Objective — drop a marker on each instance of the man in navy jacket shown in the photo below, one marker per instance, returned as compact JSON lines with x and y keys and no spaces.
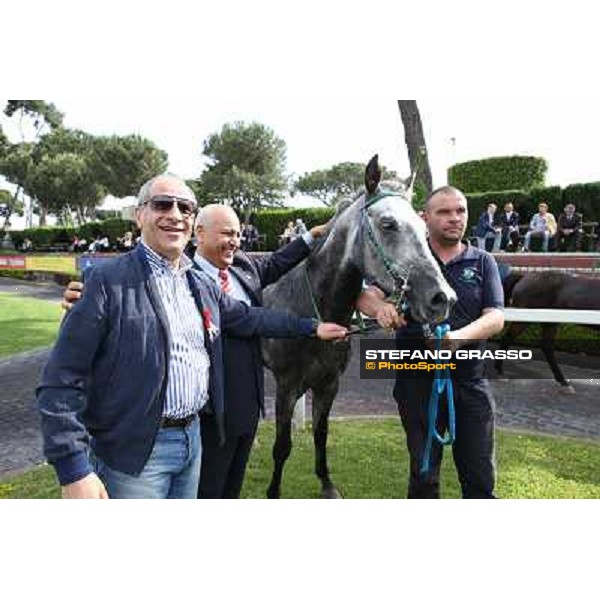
{"x":218,"y":235}
{"x":114,"y":394}
{"x":488,"y":227}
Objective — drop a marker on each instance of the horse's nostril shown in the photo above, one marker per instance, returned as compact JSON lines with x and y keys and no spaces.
{"x":440,"y":299}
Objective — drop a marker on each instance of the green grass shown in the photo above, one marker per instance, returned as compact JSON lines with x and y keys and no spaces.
{"x":368,"y":459}
{"x":27,"y":323}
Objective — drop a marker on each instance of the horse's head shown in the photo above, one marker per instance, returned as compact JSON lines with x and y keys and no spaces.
{"x":387,"y":242}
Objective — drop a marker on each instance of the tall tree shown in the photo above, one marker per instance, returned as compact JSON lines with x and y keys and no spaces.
{"x":344,"y":180}
{"x":15,"y":159}
{"x":415,"y":142}
{"x":247,"y":167}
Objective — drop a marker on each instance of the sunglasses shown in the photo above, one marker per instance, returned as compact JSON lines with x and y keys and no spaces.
{"x":164,"y":204}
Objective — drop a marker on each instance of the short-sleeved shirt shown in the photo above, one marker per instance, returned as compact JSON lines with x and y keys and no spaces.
{"x":475,"y":278}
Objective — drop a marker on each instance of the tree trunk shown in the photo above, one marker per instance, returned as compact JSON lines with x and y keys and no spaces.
{"x":415,"y":140}
{"x":43,"y":213}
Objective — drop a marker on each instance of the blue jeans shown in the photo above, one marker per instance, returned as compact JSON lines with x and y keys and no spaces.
{"x":172,"y":471}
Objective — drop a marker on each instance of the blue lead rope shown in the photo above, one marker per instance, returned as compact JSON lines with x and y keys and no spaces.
{"x":441,"y":382}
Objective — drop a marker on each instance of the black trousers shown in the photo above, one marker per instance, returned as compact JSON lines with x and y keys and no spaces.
{"x":223,"y":467}
{"x":473,"y":449}
{"x":570,"y":242}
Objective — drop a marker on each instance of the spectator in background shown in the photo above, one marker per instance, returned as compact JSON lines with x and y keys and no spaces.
{"x":27,"y":245}
{"x":570,"y":230}
{"x":103,"y":244}
{"x":543,"y":224}
{"x":488,"y":227}
{"x":126,"y":242}
{"x":249,"y":240}
{"x":299,"y":228}
{"x":287,"y":235}
{"x":509,"y":223}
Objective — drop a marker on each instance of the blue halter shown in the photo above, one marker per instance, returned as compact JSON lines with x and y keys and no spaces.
{"x":441,"y":382}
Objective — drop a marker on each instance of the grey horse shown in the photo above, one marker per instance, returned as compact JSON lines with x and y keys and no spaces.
{"x":380,"y":239}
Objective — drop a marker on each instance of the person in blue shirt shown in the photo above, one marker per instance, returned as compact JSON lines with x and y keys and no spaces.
{"x":140,"y":355}
{"x":477,"y":315}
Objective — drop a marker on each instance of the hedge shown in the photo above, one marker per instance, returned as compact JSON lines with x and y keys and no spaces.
{"x":272,"y":222}
{"x":586,"y":197}
{"x":499,"y":173}
{"x":47,"y":236}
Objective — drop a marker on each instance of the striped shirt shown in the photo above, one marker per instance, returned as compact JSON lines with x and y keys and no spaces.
{"x":188,"y":369}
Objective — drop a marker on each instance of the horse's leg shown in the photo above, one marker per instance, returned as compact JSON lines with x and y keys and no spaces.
{"x":322,"y":399}
{"x":284,"y":410}
{"x":513,"y":331}
{"x":548,"y":334}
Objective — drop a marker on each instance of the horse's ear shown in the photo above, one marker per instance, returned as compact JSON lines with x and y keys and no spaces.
{"x":372,"y":175}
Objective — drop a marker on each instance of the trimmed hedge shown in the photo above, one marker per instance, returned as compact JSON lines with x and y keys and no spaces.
{"x":47,"y":236}
{"x":586,"y":197}
{"x":272,"y":222}
{"x":499,"y":173}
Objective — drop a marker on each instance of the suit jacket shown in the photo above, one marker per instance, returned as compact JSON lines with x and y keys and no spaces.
{"x":575,"y":222}
{"x":483,"y":225}
{"x":243,"y":365}
{"x":505,"y":222}
{"x":106,"y":375}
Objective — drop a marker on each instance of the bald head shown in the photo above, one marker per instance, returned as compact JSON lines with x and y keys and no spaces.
{"x":214,"y":213}
{"x":218,"y":234}
{"x":446,"y":190}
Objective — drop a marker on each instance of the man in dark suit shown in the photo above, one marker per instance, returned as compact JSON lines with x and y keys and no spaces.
{"x":244,"y":277}
{"x":570,"y":230}
{"x":509,"y":223}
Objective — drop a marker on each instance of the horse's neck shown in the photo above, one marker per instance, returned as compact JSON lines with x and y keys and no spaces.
{"x":335,"y":283}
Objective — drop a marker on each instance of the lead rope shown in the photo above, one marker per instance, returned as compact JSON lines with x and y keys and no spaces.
{"x":441,"y":383}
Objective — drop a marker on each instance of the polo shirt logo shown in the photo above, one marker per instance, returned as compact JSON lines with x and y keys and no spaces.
{"x":469,"y":276}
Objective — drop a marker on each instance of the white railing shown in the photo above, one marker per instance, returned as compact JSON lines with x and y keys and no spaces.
{"x":552,"y":315}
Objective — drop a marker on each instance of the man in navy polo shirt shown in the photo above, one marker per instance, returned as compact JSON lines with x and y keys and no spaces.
{"x":473,"y":274}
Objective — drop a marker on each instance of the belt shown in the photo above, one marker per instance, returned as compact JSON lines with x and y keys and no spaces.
{"x":182,"y":422}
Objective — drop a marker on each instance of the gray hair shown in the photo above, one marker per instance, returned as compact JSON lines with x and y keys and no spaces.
{"x":144,"y":193}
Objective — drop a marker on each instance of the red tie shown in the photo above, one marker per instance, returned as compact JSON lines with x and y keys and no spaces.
{"x":225,"y":281}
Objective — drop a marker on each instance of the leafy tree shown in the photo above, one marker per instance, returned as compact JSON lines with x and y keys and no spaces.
{"x":42,"y":114}
{"x":121,"y":164}
{"x":247,"y":167}
{"x":16,"y":161}
{"x":344,"y":180}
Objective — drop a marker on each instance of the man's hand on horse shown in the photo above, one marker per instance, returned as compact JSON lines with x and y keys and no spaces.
{"x":320,"y":230}
{"x":388,"y":317}
{"x":72,"y":294}
{"x":331,"y":331}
